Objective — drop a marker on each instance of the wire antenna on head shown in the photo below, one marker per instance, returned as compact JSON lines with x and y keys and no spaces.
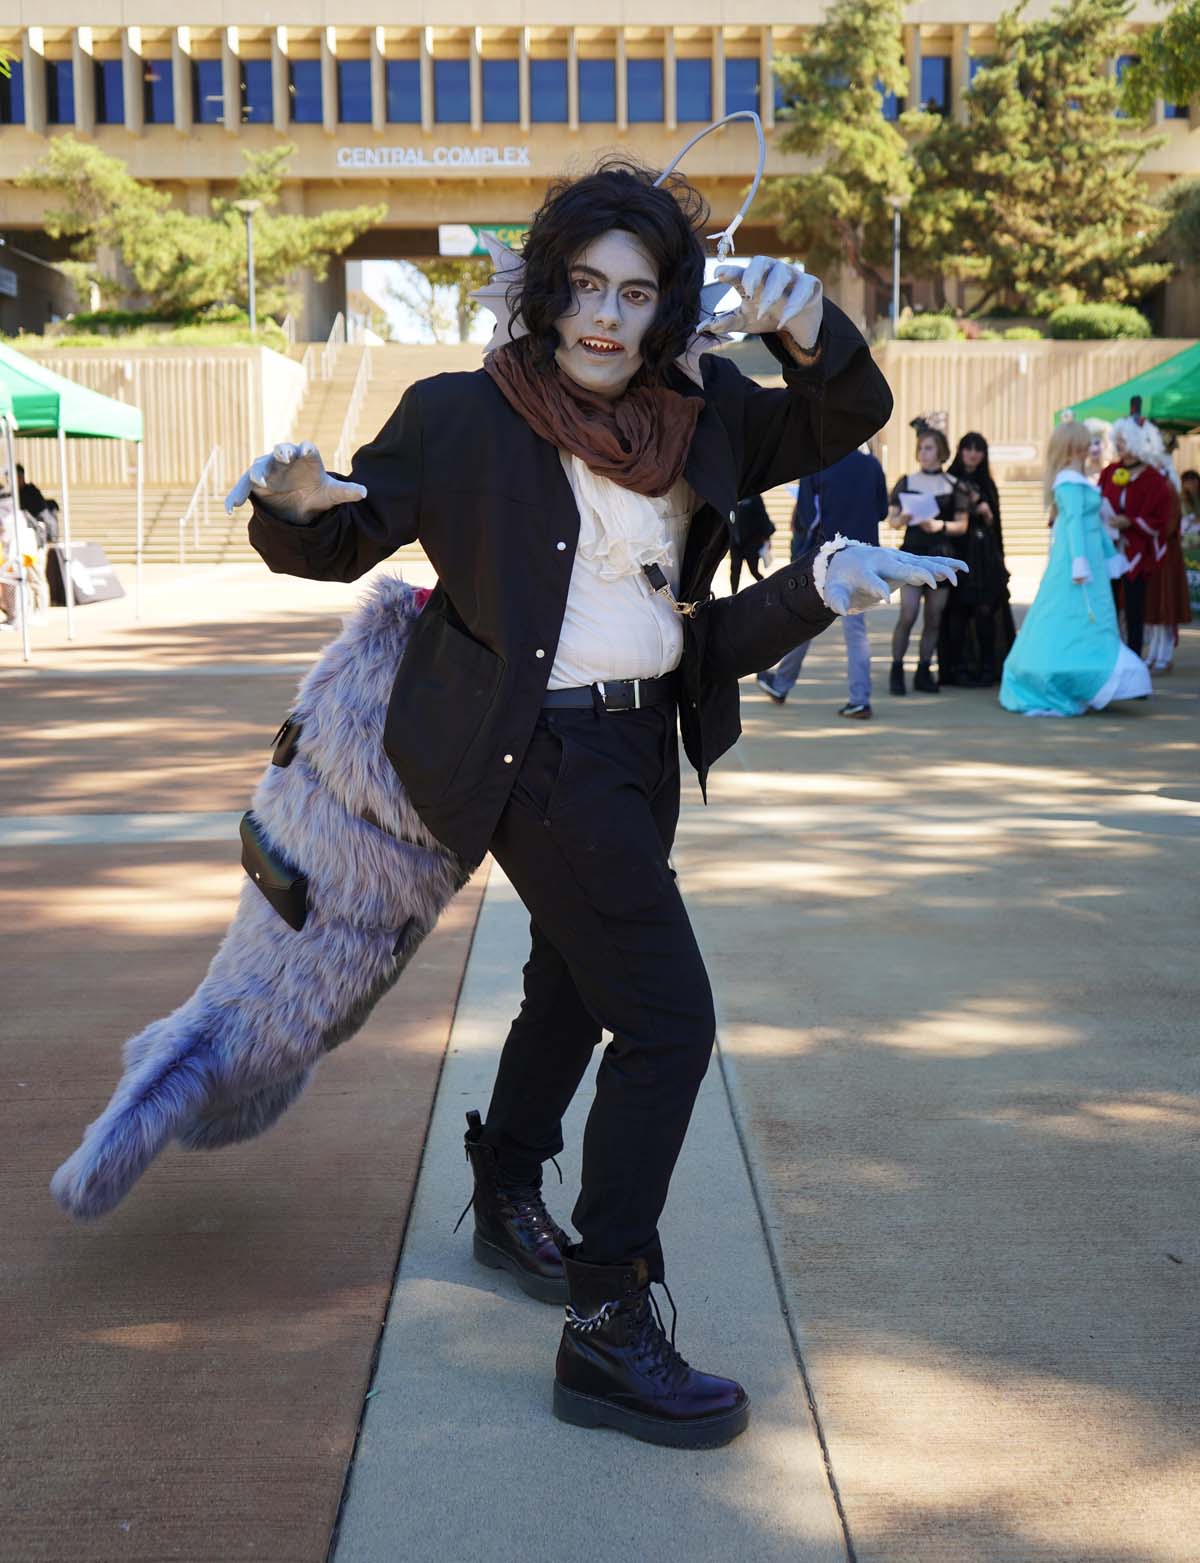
{"x":724,"y":239}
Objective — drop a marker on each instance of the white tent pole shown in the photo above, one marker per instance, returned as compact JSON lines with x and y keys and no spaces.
{"x":141,"y":521}
{"x":68,"y":583}
{"x":22,"y":583}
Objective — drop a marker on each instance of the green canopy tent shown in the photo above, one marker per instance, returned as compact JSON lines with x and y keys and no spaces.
{"x":37,"y":403}
{"x":1170,"y":395}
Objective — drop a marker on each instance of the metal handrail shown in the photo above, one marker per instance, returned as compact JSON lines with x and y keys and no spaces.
{"x":358,"y":395}
{"x":335,"y":339}
{"x":199,"y":493}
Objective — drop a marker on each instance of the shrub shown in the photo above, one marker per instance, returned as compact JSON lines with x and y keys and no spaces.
{"x":987,"y":335}
{"x":1022,"y":334}
{"x":1082,"y":322}
{"x":929,"y":328}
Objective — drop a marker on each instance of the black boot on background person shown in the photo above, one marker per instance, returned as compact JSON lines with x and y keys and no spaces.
{"x":924,"y":680}
{"x":617,"y":1368}
{"x":513,"y":1229}
{"x":896,"y":679}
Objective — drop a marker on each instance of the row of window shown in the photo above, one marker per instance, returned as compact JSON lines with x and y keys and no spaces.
{"x":402,"y":86}
{"x":451,"y":91}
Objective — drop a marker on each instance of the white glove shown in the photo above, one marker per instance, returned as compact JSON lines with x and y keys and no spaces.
{"x":857,"y":577}
{"x":1081,"y":570}
{"x":292,"y":483}
{"x":775,"y":297}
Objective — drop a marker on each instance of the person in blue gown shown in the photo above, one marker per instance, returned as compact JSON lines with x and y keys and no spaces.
{"x":1068,"y":657}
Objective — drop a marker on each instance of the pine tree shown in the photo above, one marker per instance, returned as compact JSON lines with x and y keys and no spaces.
{"x":173,"y":261}
{"x":840,"y":213}
{"x":1038,"y":196}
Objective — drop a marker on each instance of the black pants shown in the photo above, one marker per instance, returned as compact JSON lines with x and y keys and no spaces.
{"x":1134,"y":593}
{"x":584,"y":840}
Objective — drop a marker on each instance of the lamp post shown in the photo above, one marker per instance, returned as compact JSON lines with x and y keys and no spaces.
{"x":896,"y":202}
{"x":248,"y":209}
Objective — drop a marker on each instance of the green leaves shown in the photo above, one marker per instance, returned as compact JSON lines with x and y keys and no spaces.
{"x":181,"y":263}
{"x":1168,"y":63}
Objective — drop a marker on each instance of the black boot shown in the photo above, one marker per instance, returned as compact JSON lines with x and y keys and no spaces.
{"x":896,"y":679}
{"x":616,"y":1367}
{"x":513,"y":1229}
{"x":924,"y":680}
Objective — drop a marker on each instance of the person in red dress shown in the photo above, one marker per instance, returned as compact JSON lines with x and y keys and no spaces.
{"x":1137,"y":491}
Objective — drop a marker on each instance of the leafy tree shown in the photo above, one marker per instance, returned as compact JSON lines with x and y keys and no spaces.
{"x":438,"y":293}
{"x":1167,"y":64}
{"x":839,"y":212}
{"x":1180,"y":240}
{"x":1038,"y":196}
{"x":178,"y":262}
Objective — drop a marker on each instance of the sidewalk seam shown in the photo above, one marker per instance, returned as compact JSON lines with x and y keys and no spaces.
{"x":728,"y":1074}
{"x":408,"y":1215}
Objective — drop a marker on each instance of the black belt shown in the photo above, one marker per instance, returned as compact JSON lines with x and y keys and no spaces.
{"x":616,"y":694}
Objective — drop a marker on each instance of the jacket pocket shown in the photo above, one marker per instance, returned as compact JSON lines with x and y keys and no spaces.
{"x":440,"y":707}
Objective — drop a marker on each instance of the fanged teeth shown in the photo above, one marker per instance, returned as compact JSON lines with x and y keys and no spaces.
{"x":603,"y":347}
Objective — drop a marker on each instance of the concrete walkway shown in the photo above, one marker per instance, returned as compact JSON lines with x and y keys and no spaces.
{"x":954,"y":955}
{"x":459,"y":1455}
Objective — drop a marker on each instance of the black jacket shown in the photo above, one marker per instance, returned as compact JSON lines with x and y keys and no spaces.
{"x":458,"y":468}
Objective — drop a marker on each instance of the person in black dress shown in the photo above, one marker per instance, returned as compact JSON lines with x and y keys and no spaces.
{"x":977,"y":628}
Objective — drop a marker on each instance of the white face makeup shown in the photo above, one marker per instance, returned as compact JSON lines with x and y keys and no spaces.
{"x":615,"y":284}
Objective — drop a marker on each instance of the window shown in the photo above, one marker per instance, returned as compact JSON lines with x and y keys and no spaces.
{"x":1124,"y":61}
{"x":158,"y":92}
{"x":12,"y":95}
{"x":548,"y":91}
{"x":977,"y":63}
{"x":110,"y":92}
{"x":304,"y":86}
{"x":741,"y":85}
{"x":598,"y":92}
{"x":354,"y":92}
{"x":1176,"y":111}
{"x":935,"y":83}
{"x":501,"y":93}
{"x":403,"y":79}
{"x":60,"y":92}
{"x":693,"y":90}
{"x":889,"y":103}
{"x":257,"y":108}
{"x":645,"y":81}
{"x":207,"y":101}
{"x":452,"y":92}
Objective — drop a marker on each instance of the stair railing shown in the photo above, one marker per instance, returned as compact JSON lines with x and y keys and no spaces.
{"x":358,"y":395}
{"x":335,"y":339}
{"x":206,"y":488}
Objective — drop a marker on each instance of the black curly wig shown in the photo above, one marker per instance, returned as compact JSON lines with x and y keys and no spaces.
{"x":666,"y":220}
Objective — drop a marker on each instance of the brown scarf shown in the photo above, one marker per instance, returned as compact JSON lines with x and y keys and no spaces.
{"x":640,"y":441}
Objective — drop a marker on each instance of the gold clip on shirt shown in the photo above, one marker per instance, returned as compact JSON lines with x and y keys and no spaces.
{"x":661,"y":587}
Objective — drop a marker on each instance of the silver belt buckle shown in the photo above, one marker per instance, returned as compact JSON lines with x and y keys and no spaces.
{"x":637,"y":694}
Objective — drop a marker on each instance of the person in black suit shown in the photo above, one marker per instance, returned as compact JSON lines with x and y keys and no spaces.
{"x":575,"y":496}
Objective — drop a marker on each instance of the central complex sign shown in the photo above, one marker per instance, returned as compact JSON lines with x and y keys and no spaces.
{"x":433,"y":157}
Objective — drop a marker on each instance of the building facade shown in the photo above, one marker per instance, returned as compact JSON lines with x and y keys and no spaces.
{"x":450,"y":113}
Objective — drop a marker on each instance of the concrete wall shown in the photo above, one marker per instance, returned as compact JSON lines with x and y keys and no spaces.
{"x":241,"y":398}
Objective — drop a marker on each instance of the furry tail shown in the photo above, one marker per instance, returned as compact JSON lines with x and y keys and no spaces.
{"x":151,"y":1102}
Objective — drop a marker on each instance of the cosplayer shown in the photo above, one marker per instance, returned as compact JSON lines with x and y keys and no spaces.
{"x":574,"y":497}
{"x":1068,"y":656}
{"x":1138,"y":492}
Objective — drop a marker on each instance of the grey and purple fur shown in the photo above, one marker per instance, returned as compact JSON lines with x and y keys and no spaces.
{"x":229,"y":1061}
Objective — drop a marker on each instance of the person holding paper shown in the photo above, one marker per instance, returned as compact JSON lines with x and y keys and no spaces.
{"x":932,"y":507}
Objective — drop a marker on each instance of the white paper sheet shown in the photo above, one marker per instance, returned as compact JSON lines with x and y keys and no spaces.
{"x":921,"y":507}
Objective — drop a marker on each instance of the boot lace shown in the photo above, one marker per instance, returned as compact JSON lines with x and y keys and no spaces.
{"x":527,"y":1206}
{"x":659,"y":1358}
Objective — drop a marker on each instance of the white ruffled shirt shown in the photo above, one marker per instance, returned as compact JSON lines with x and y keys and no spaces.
{"x":614,"y":625}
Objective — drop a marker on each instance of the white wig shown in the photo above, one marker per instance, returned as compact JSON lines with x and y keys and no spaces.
{"x":1142,"y":441}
